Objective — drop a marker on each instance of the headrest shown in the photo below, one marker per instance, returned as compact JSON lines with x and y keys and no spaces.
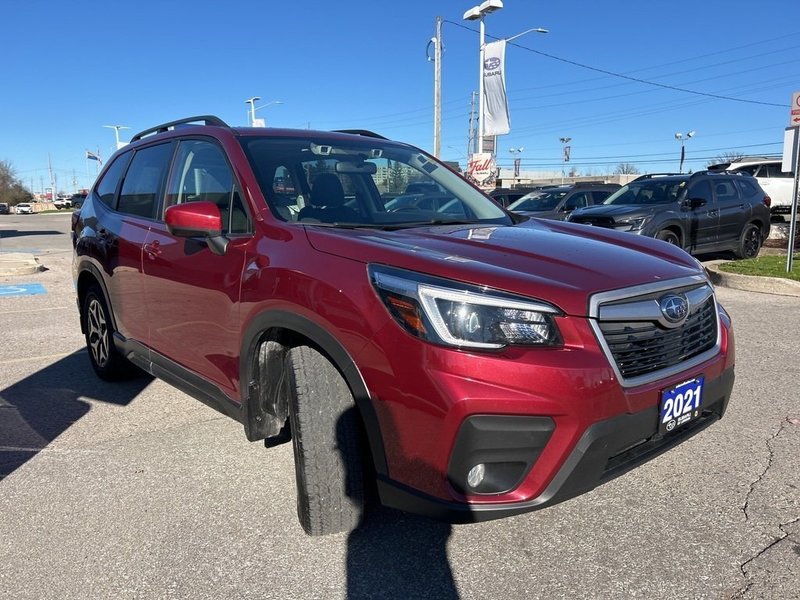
{"x":327,"y":190}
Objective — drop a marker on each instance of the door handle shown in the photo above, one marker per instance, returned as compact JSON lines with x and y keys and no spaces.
{"x":152,"y":249}
{"x":713,"y":213}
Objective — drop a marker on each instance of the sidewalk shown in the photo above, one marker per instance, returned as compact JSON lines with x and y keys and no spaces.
{"x":18,"y":263}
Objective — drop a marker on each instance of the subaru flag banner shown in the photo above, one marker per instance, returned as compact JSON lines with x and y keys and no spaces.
{"x":495,"y":111}
{"x":92,"y":156}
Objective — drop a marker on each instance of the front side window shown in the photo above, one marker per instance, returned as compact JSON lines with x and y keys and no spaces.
{"x":538,"y":201}
{"x":577,"y":200}
{"x":201,"y":172}
{"x":139,"y":195}
{"x":364,"y":183}
{"x":701,"y":191}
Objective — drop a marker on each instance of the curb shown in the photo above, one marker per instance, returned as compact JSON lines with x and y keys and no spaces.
{"x":18,"y":263}
{"x":751,"y":283}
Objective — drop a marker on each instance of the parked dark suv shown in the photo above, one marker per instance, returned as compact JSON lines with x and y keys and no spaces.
{"x":707,"y":211}
{"x":472,"y":363}
{"x":559,"y":202}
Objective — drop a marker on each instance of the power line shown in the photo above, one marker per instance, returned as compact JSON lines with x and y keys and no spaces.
{"x":621,"y":76}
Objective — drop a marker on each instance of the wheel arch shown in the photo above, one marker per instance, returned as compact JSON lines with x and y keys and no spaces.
{"x":89,"y":275}
{"x":675,"y":227}
{"x":288,"y":330}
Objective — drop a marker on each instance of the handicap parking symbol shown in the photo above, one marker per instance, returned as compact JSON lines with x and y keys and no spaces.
{"x":22,"y":289}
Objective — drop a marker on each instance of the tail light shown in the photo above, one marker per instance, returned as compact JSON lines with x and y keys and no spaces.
{"x":767,"y":201}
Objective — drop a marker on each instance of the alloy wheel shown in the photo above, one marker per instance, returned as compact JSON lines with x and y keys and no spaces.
{"x":97,"y":332}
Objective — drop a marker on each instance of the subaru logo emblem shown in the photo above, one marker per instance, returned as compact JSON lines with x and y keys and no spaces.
{"x":674,"y":307}
{"x":491,"y":63}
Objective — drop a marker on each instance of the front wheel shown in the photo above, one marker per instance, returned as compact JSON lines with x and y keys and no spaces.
{"x":326,"y":437}
{"x":668,"y":236}
{"x":749,"y":242}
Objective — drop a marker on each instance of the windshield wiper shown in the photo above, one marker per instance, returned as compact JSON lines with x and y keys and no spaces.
{"x":429,"y":223}
{"x":390,"y":226}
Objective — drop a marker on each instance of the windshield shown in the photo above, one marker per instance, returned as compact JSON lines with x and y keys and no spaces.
{"x":648,"y":191}
{"x":539,"y":201}
{"x":363,"y":183}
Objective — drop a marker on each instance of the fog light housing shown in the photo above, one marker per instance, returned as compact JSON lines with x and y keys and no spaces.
{"x":476,"y":475}
{"x":493,"y":453}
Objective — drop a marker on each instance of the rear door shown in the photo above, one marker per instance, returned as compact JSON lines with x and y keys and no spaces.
{"x":192,"y":293}
{"x":734,"y":212}
{"x":125,"y":231}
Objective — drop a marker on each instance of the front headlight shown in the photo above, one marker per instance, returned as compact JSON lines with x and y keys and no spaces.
{"x":457,"y":314}
{"x":633,"y":224}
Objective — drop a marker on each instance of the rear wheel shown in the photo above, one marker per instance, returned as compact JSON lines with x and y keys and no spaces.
{"x":106,"y":361}
{"x":669,"y":236}
{"x":326,"y":437}
{"x":749,"y":242}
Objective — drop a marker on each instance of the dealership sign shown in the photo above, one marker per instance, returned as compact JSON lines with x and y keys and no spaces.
{"x":482,"y":168}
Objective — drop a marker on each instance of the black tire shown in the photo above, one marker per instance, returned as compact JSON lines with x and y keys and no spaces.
{"x":326,"y":437}
{"x":749,"y":242}
{"x":669,"y":236}
{"x":106,"y":361}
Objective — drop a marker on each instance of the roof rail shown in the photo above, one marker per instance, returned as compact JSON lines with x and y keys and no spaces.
{"x":364,"y":132}
{"x":651,"y":175}
{"x":206,"y":120}
{"x":722,"y":172}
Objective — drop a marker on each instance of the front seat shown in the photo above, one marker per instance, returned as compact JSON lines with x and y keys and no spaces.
{"x":326,"y":203}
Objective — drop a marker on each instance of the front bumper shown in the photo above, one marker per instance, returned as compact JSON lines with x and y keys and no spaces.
{"x":606,"y":450}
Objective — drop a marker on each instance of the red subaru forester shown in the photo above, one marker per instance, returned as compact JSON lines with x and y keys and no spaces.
{"x":358,"y":296}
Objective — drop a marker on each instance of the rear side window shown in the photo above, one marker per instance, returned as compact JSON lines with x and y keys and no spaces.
{"x":107,"y":187}
{"x":747,"y":188}
{"x":725,"y":191}
{"x":143,"y":180}
{"x":772,"y":170}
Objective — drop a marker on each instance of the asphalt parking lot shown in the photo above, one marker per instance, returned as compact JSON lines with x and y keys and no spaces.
{"x":135,"y":490}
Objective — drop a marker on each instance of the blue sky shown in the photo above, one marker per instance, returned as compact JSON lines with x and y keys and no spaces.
{"x":71,"y":67}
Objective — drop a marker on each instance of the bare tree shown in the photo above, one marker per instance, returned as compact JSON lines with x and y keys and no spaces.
{"x":11,"y":189}
{"x":626,"y":169}
{"x":727,"y":157}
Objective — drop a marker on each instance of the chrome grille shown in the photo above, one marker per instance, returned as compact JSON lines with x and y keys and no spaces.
{"x":641,"y":345}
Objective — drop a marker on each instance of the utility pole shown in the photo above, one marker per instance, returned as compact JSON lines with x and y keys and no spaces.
{"x":437,"y":89}
{"x":472,"y":136}
{"x":52,"y":181}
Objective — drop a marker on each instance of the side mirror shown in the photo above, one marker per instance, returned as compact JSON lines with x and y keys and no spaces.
{"x":197,"y":219}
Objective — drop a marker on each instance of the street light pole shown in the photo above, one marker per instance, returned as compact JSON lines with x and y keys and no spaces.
{"x":252,"y":102}
{"x":680,"y":137}
{"x":517,"y":161}
{"x":564,"y":158}
{"x":116,"y":129}
{"x":477,"y":13}
{"x":437,"y":87}
{"x":473,"y":14}
{"x":253,"y":108}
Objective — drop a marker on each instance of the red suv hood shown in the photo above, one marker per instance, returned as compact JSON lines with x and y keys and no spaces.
{"x":561,"y":263}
